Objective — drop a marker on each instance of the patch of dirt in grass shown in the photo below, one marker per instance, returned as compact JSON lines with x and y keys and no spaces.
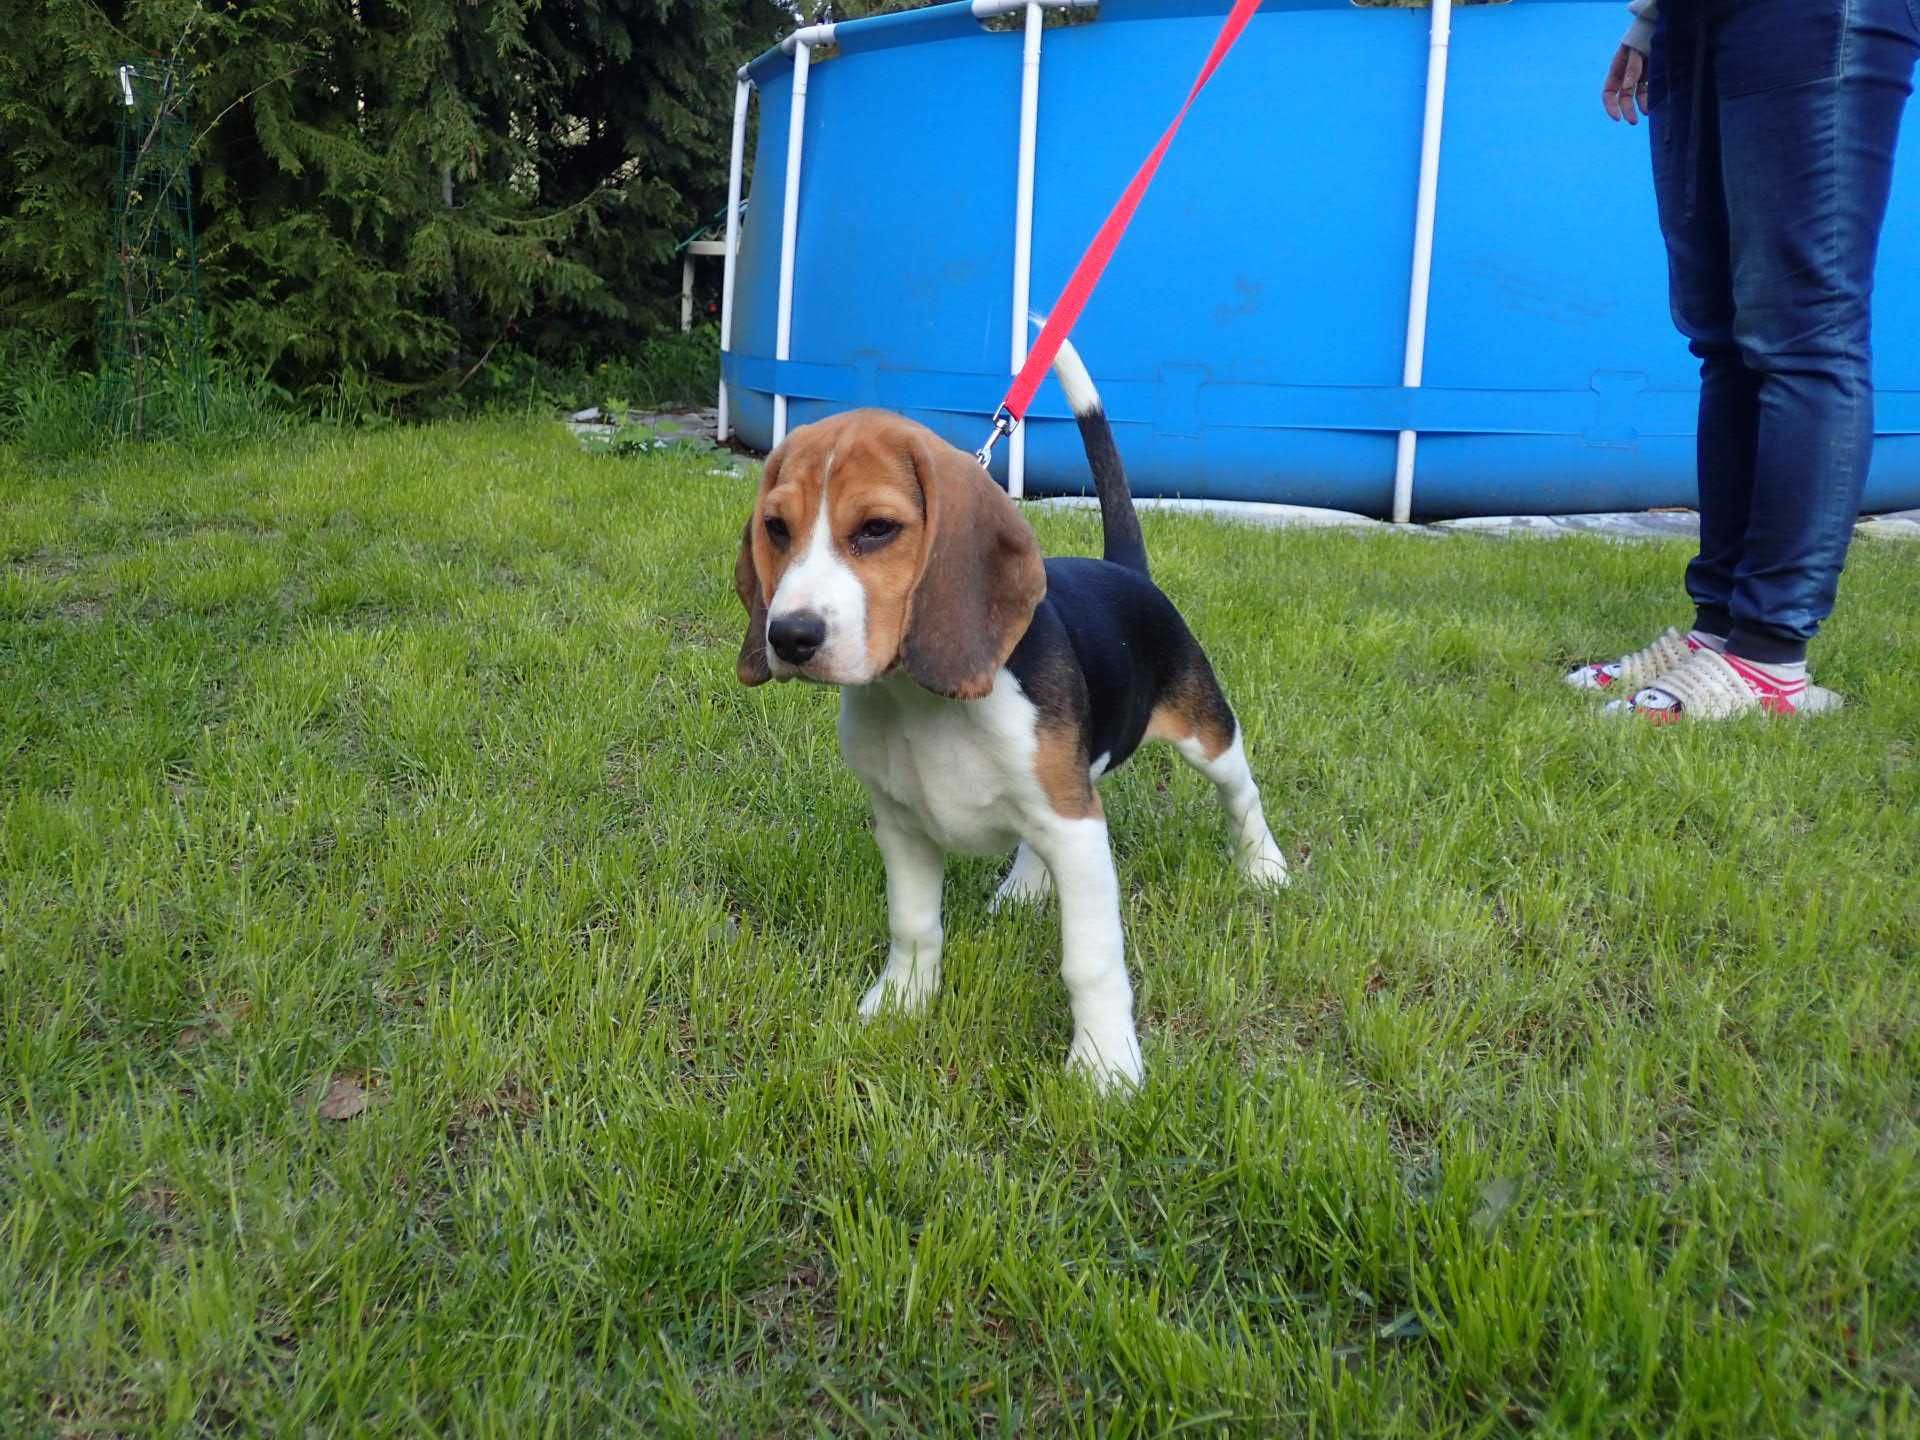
{"x":1273,"y":1033}
{"x":513,"y":1105}
{"x":692,"y":629}
{"x":801,"y":1306}
{"x":44,"y":565}
{"x":1319,"y":1020}
{"x":47,"y":567}
{"x":173,"y":527}
{"x":160,"y":1203}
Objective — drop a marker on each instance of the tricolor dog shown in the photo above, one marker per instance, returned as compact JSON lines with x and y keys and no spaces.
{"x":984,"y":690}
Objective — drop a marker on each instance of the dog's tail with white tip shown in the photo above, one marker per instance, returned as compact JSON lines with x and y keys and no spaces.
{"x":1119,"y":524}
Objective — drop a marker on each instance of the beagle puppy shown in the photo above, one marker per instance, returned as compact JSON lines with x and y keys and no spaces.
{"x":984,"y":690}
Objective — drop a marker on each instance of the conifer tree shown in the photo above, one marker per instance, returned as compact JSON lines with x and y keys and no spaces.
{"x":384,"y":186}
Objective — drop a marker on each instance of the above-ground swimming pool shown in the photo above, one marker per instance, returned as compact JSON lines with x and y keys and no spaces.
{"x":1249,"y":335}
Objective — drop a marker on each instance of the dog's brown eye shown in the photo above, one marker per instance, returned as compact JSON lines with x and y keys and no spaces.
{"x":875,"y":533}
{"x":777,"y":531}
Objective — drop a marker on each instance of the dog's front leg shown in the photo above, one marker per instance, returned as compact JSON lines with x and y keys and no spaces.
{"x":915,"y":874}
{"x":1093,"y":958}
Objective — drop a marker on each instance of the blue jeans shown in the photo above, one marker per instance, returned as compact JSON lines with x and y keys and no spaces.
{"x":1774,"y":124}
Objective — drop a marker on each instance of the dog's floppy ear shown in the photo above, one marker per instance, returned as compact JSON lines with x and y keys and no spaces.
{"x":752,"y":665}
{"x":981,"y":578}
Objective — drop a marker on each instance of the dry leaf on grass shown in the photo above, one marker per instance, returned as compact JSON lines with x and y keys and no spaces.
{"x":348,"y":1094}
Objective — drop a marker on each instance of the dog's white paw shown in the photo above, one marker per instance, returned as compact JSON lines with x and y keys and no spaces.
{"x":1265,"y":864}
{"x":903,"y":994}
{"x":1111,"y":1060}
{"x":1029,"y":882}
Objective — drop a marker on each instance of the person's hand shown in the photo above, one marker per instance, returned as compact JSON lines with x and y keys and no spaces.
{"x":1626,"y":86}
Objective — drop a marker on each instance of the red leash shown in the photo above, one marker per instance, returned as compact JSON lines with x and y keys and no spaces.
{"x":1086,"y":275}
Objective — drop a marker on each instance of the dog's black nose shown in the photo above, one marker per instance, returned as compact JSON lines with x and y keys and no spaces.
{"x":796,"y":637}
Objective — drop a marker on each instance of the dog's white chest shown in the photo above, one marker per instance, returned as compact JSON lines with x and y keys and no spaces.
{"x":962,"y":770}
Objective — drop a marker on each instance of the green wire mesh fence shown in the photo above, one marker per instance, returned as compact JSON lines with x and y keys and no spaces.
{"x":154,"y":344}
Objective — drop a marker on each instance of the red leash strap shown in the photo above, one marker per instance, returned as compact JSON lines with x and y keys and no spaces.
{"x":1086,"y":275}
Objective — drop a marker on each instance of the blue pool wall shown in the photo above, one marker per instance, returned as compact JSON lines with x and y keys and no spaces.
{"x":1248,"y":335}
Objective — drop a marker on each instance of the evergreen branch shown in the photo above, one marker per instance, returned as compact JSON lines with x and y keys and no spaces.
{"x":474,"y":368}
{"x":529,"y":222}
{"x":207,"y":129}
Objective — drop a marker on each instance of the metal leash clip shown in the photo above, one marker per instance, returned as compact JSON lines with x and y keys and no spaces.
{"x":1004,"y":423}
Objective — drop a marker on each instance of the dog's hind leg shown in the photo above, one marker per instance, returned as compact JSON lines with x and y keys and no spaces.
{"x":1195,"y":718}
{"x":1029,"y":882}
{"x":1256,"y":851}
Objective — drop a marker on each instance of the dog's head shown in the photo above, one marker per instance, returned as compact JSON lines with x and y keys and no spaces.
{"x":873,"y":544}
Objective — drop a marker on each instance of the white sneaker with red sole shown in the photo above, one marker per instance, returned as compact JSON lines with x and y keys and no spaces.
{"x":1630,"y":672}
{"x":1710,"y":686}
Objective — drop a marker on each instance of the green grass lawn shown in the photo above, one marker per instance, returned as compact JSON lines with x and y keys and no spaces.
{"x":1571,"y":1090}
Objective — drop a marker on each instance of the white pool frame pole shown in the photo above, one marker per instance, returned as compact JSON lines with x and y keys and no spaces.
{"x":1438,"y":37}
{"x":742,"y":87}
{"x":802,"y":43}
{"x":1023,"y":230}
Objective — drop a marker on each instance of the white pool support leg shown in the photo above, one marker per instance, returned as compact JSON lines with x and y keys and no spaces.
{"x":1415,"y":364}
{"x":790,"y":223}
{"x":1023,"y":231}
{"x":723,"y":422}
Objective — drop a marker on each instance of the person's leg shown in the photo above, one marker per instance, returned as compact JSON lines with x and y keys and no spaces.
{"x":1810,"y":99}
{"x":1684,"y":116}
{"x":1683,"y":113}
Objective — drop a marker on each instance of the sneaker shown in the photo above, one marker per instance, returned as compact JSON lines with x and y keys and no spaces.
{"x":1630,"y":672}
